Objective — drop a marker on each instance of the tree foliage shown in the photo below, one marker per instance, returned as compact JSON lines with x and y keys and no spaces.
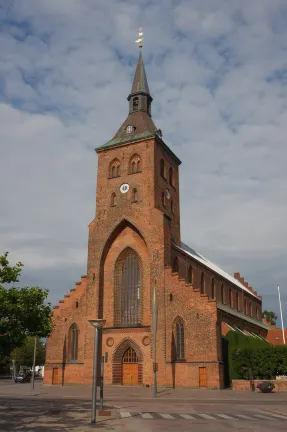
{"x":265,"y":363}
{"x":24,"y":355}
{"x":270,"y":316}
{"x":23,"y":311}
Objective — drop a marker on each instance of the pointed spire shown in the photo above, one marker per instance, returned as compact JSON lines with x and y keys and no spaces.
{"x":140,"y":84}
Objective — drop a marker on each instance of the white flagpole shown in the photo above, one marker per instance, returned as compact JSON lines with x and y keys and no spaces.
{"x":283,"y":333}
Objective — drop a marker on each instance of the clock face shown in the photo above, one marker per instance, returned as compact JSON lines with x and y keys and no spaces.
{"x":129,"y":129}
{"x":124,"y":188}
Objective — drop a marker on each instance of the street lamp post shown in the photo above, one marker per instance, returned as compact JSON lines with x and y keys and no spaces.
{"x":97,"y":324}
{"x":154,"y":328}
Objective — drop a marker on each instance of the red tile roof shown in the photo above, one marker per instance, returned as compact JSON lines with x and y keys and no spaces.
{"x":275,"y":336}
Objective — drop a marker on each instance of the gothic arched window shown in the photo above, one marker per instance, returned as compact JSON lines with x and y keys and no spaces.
{"x":202,"y":284}
{"x":175,"y":265}
{"x":135,"y":164}
{"x":237,"y":302}
{"x":171,"y":176}
{"x":189,"y":275}
{"x":162,"y":168}
{"x":178,"y":340}
{"x":222,"y":294}
{"x":135,"y":103}
{"x":115,"y":169}
{"x":73,"y":343}
{"x":128,"y":292}
{"x":213,"y":289}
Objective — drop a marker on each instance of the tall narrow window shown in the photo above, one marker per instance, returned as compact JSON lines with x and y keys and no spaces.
{"x":113,"y":200}
{"x":222,"y":294}
{"x":136,"y":103}
{"x":128,"y":289}
{"x":213,"y":289}
{"x":257,"y":313}
{"x":134,"y":164}
{"x":250,"y":309}
{"x":171,"y":206}
{"x":114,"y":171}
{"x":178,"y":337}
{"x":189,"y":275}
{"x":202,"y":284}
{"x":118,"y":171}
{"x":162,"y":168}
{"x":73,"y":342}
{"x":171,"y":176}
{"x":237,"y":302}
{"x":230,"y":297}
{"x":245,"y":306}
{"x":175,"y":265}
{"x":135,"y":195}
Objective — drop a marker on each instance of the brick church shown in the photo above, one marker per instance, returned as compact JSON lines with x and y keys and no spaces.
{"x":135,"y":246}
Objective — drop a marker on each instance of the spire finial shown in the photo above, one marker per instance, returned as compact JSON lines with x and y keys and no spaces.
{"x":140,"y":39}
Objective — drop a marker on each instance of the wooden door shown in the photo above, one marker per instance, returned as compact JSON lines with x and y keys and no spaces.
{"x":130,"y":368}
{"x":130,"y":373}
{"x":55,"y":376}
{"x":202,"y":377}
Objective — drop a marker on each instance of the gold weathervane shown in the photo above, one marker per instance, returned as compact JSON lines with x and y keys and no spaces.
{"x":140,"y":38}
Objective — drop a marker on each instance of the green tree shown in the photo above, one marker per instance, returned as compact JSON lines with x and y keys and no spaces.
{"x":23,"y":311}
{"x":24,"y":355}
{"x":270,"y":316}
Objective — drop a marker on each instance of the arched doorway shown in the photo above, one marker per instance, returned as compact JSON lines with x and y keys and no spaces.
{"x":130,"y":367}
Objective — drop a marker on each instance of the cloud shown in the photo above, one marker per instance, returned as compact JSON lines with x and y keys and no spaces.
{"x":217,"y":72}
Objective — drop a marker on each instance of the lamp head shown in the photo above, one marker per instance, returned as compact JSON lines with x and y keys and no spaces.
{"x":97,"y":323}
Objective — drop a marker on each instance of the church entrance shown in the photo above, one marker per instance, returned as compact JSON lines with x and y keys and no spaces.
{"x":130,"y":367}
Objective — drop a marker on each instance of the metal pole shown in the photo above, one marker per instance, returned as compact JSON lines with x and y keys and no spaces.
{"x":154,"y":324}
{"x":283,"y":333}
{"x":94,"y":391}
{"x":34,"y":361}
{"x":102,"y":383}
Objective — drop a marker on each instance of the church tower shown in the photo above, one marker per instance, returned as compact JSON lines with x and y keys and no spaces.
{"x":137,"y":220}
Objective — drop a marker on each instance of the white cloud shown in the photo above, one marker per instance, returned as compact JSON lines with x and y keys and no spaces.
{"x":216,"y":72}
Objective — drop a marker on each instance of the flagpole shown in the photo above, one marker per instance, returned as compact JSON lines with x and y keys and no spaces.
{"x":283,"y":333}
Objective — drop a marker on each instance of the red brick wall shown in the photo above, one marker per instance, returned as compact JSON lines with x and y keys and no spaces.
{"x":244,"y":385}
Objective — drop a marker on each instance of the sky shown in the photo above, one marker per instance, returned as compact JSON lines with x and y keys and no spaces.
{"x":217,"y":71}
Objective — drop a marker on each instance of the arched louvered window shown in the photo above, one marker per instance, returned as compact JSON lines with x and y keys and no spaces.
{"x":134,"y":167}
{"x":113,"y":199}
{"x":138,"y":165}
{"x":178,"y":340}
{"x":189,"y":275}
{"x":175,"y":265}
{"x":115,"y":169}
{"x":135,"y":195}
{"x":202,"y":284}
{"x":213,"y":289}
{"x":128,"y":288}
{"x":118,"y":171}
{"x":135,"y":103}
{"x":73,"y":343}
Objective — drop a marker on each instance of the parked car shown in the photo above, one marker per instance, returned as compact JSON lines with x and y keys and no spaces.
{"x":23,"y":378}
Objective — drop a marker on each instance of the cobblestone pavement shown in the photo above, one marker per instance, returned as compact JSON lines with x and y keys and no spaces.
{"x":68,"y":408}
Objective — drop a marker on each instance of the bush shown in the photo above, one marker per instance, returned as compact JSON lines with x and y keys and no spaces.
{"x":266,"y":386}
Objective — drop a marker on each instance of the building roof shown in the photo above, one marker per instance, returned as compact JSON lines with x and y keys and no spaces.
{"x":275,"y":336}
{"x":198,"y":257}
{"x":140,"y":84}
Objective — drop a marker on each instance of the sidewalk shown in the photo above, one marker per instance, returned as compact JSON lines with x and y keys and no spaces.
{"x":133,"y":394}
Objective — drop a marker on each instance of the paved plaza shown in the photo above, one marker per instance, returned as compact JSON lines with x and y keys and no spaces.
{"x":58,"y":409}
